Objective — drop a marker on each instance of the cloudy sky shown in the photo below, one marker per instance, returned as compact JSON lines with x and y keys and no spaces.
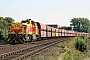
{"x":45,"y":11}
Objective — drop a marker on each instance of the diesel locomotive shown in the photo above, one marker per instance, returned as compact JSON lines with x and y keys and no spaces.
{"x":24,"y":31}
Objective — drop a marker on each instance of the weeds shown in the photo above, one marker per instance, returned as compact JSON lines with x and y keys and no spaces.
{"x":67,"y":50}
{"x":75,"y":49}
{"x":81,"y":43}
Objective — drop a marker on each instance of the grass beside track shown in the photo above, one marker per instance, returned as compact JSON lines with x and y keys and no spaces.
{"x":62,"y":51}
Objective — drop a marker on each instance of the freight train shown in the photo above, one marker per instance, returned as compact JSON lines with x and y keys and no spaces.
{"x":30,"y":31}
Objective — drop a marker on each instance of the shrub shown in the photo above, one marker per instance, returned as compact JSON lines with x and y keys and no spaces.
{"x":81,"y":43}
{"x":1,"y":36}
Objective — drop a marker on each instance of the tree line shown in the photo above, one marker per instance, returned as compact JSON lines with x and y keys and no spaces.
{"x":80,"y":24}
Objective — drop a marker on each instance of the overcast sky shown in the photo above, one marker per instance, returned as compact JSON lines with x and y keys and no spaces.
{"x":45,"y":11}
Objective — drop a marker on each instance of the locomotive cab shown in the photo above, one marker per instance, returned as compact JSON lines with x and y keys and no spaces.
{"x":31,"y":30}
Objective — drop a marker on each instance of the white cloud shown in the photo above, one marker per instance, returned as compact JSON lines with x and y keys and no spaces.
{"x":27,"y":15}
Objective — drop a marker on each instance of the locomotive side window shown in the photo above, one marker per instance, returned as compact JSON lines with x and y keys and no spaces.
{"x":33,"y":23}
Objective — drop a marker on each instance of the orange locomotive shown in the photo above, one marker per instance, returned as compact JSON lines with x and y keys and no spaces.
{"x":25,"y":31}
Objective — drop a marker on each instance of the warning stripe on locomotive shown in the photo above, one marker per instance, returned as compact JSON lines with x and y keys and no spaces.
{"x":17,"y":30}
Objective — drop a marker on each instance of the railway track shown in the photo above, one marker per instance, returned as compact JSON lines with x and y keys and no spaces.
{"x":29,"y":50}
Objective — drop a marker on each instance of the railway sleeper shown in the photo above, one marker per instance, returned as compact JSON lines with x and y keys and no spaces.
{"x":17,"y":51}
{"x":35,"y":51}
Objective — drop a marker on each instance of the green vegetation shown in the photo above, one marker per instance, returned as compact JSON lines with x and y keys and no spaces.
{"x":4,"y":26}
{"x":66,"y":50}
{"x":76,"y":49}
{"x":81,"y":43}
{"x":80,"y":24}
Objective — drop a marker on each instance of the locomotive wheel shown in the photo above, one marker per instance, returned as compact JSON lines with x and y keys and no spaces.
{"x":28,"y":38}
